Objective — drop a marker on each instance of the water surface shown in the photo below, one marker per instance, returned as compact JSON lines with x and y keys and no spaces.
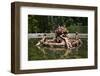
{"x":50,"y":53}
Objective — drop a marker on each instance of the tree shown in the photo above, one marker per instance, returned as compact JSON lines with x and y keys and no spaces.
{"x":47,"y":24}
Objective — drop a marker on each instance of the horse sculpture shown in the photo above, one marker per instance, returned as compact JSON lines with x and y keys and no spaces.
{"x":61,"y":39}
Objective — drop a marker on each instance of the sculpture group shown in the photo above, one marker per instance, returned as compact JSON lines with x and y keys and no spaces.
{"x":61,"y":39}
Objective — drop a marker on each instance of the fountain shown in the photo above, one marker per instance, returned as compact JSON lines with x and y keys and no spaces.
{"x":61,"y":39}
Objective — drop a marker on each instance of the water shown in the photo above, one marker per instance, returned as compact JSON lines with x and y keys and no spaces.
{"x":50,"y":53}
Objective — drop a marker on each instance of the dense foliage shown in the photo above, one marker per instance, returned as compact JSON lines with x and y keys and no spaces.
{"x":47,"y":24}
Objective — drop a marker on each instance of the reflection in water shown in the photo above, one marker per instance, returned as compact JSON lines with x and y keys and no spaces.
{"x":45,"y":53}
{"x":63,"y":52}
{"x":55,"y":51}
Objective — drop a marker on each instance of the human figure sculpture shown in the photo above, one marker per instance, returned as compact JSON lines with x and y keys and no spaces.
{"x":61,"y":39}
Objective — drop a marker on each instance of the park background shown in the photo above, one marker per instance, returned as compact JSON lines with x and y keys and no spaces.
{"x":5,"y":38}
{"x":48,"y":24}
